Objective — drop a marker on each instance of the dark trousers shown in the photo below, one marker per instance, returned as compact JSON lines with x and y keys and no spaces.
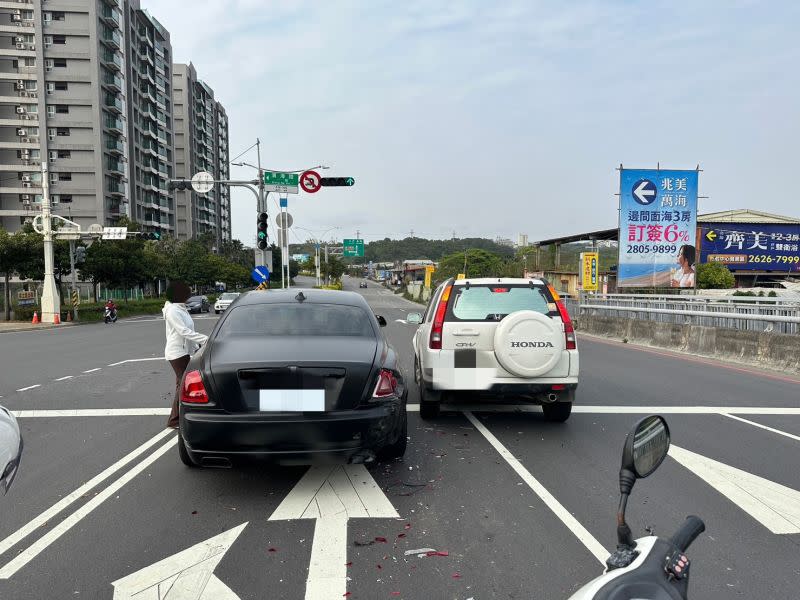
{"x":179,"y":366}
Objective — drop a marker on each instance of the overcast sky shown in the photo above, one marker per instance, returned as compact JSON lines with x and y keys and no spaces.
{"x":497,"y":118}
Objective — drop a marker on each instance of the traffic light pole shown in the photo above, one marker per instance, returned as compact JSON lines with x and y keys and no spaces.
{"x":50,"y":302}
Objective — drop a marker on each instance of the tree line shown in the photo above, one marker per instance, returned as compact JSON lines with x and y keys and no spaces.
{"x":130,"y":262}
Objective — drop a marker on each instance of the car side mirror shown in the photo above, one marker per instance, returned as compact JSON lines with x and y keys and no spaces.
{"x":414,"y":318}
{"x":381,"y":320}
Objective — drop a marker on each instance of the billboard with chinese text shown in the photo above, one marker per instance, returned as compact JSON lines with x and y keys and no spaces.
{"x":657,"y":228}
{"x":589,"y":262}
{"x":751,"y":246}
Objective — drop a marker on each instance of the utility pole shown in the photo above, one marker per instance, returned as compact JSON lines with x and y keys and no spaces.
{"x":50,"y":301}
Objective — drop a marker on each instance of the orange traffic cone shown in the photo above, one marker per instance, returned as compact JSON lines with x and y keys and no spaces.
{"x":56,"y":319}
{"x":35,"y":318}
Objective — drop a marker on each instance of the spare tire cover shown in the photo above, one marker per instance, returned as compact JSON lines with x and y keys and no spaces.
{"x":528,"y":343}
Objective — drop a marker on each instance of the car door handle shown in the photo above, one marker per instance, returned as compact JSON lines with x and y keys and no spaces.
{"x":467,"y":332}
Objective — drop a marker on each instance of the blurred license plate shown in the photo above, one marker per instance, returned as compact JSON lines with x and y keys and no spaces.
{"x":291,"y":400}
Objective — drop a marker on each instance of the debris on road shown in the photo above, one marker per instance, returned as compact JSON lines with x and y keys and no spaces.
{"x":420,"y":552}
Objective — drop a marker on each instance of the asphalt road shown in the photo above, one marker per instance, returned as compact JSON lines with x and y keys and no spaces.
{"x":522,"y":508}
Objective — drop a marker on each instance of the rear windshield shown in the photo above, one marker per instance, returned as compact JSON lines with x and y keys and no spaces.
{"x":495,"y":301}
{"x":297,"y":319}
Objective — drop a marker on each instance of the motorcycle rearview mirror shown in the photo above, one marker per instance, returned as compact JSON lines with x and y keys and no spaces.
{"x":645,"y":448}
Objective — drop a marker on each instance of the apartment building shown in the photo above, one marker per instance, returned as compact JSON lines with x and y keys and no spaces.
{"x":63,"y":103}
{"x":201,"y":144}
{"x":150,"y":136}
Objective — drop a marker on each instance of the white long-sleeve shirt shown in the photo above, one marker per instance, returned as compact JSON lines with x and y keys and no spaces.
{"x":182,"y":339}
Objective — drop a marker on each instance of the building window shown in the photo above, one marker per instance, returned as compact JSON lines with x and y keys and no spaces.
{"x":62,"y":131}
{"x":59,"y":39}
{"x":30,"y":85}
{"x":66,"y":198}
{"x":60,"y":62}
{"x":62,"y":109}
{"x":29,"y":62}
{"x":58,"y":15}
{"x":64,"y":154}
{"x":27,"y":15}
{"x":61,"y":86}
{"x":65,"y":176}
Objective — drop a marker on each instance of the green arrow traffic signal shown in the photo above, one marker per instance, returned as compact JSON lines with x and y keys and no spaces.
{"x":261,"y":229}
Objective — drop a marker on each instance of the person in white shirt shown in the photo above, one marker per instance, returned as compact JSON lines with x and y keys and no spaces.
{"x":182,"y":339}
{"x":684,"y":276}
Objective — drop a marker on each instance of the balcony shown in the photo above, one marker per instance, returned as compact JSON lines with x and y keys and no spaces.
{"x":115,"y":188}
{"x":111,"y":37}
{"x":116,"y":167}
{"x":114,"y":124}
{"x":110,"y":15}
{"x":112,"y":59}
{"x":115,"y":145}
{"x":113,"y":81}
{"x":113,"y":103}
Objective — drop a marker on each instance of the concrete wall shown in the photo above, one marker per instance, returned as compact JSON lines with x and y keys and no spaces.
{"x":771,"y":350}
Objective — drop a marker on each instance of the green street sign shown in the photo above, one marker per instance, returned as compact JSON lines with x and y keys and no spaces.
{"x":353,"y":247}
{"x":280,"y":178}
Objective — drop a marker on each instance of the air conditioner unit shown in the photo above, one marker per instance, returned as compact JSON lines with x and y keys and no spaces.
{"x":20,"y":46}
{"x":26,"y":178}
{"x":17,"y":11}
{"x":24,"y":153}
{"x":22,"y":132}
{"x":26,"y":184}
{"x":21,"y":110}
{"x":32,"y":94}
{"x":19,"y":39}
{"x":25,"y":117}
{"x":25,"y":197}
{"x":20,"y":85}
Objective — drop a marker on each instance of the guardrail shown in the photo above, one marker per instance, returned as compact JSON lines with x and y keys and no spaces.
{"x":731,"y":312}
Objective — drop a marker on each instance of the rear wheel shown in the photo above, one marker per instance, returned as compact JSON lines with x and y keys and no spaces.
{"x":398,"y":448}
{"x":557,"y":412}
{"x":430,"y":402}
{"x":186,"y":458}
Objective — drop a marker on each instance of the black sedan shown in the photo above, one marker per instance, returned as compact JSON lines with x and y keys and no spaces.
{"x":198,"y":304}
{"x":297,"y":376}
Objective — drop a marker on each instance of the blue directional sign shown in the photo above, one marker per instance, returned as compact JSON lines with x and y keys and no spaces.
{"x":260,"y":274}
{"x":657,"y":228}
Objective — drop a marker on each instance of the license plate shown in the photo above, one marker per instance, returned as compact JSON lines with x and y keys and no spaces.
{"x":291,"y":400}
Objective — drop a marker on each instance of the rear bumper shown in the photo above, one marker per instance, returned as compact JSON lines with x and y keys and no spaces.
{"x":297,"y":438}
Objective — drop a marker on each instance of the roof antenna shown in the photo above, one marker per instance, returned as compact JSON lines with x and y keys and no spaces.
{"x":300,"y":297}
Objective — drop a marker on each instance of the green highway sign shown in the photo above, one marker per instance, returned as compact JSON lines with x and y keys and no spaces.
{"x":278,"y":181}
{"x":353,"y":247}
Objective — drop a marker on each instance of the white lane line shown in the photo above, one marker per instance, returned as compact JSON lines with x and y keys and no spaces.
{"x":30,"y":387}
{"x":775,"y":506}
{"x":90,"y":412}
{"x":586,"y":538}
{"x":131,"y":360}
{"x":51,"y":512}
{"x":625,"y":410}
{"x":64,"y":378}
{"x":93,"y":370}
{"x":760,"y":426}
{"x":27,"y":555}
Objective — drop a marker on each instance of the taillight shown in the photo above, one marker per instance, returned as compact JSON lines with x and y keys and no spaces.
{"x":192,"y":390}
{"x":569,"y":330}
{"x":438,"y":320}
{"x":387,"y":384}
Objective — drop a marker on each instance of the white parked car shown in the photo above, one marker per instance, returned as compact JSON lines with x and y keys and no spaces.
{"x":501,"y":338}
{"x":224,"y":301}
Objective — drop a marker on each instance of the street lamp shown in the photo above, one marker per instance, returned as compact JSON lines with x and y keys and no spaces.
{"x":316,"y":251}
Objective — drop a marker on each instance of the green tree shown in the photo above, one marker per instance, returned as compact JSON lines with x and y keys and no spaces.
{"x":333,"y":269}
{"x":714,"y":276}
{"x":473,"y":263}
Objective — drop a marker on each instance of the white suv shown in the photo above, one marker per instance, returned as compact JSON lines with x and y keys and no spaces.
{"x":502,"y":337}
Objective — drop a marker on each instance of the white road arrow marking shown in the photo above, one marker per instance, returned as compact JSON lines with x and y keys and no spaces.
{"x":332,"y":495}
{"x":641,"y":191}
{"x":187,"y":575}
{"x":775,"y":506}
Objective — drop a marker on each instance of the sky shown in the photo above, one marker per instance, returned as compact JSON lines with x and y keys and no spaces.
{"x":475,"y":118}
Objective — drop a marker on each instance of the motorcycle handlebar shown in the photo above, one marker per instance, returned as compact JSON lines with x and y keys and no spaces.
{"x":688,"y":532}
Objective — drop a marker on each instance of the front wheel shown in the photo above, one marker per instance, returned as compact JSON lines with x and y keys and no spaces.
{"x":557,"y":412}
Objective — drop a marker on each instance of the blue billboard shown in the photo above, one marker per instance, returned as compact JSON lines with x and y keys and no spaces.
{"x":751,"y":246}
{"x":657,"y":228}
